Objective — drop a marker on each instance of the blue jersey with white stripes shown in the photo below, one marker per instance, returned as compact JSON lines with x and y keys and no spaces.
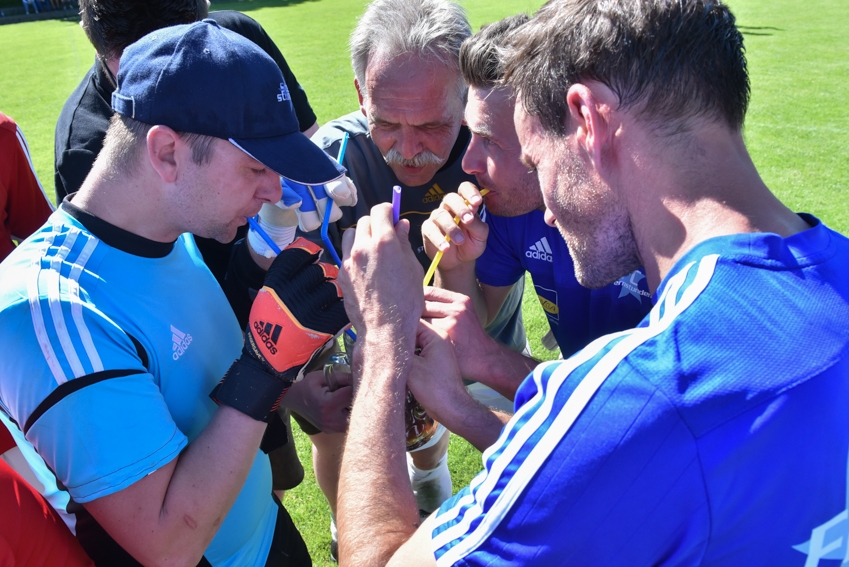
{"x":715,"y":433}
{"x":111,"y":345}
{"x":576,"y":314}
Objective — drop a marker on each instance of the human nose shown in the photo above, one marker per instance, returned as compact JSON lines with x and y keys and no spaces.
{"x":408,"y":144}
{"x":270,"y":190}
{"x":474,"y":160}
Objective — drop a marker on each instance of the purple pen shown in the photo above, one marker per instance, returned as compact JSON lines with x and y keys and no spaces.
{"x":396,"y":204}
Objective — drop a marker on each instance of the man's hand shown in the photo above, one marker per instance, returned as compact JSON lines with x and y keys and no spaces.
{"x":296,"y":313}
{"x":479,"y":356}
{"x":467,"y":240}
{"x":314,"y":200}
{"x":279,"y":222}
{"x":313,"y":399}
{"x":435,"y":381}
{"x":381,"y":278}
{"x":435,"y":378}
{"x":454,"y":314}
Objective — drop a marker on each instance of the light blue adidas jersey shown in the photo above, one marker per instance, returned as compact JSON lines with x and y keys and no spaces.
{"x":112,"y":344}
{"x":715,"y":433}
{"x":576,"y":314}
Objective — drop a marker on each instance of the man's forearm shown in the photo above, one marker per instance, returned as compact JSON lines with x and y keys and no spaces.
{"x":173,"y":513}
{"x":502,"y":369}
{"x":376,"y":507}
{"x":475,"y":423}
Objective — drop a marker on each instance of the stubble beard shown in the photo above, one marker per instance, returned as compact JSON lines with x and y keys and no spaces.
{"x":594,"y":224}
{"x":191,"y":203}
{"x":523,"y":198}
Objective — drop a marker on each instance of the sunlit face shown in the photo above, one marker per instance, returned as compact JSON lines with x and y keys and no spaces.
{"x":216,"y":198}
{"x":589,"y":214}
{"x":493,"y":154}
{"x":414,"y":109}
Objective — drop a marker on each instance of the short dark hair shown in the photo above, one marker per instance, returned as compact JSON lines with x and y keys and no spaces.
{"x":670,"y":60}
{"x":112,"y":25}
{"x":125,"y":137}
{"x":480,"y":60}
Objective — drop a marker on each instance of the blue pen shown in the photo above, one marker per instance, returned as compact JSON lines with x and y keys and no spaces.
{"x":325,"y":224}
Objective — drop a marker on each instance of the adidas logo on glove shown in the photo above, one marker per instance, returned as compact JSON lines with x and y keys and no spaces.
{"x":268,"y":334}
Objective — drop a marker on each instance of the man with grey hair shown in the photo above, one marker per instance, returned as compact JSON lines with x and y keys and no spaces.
{"x":408,"y":132}
{"x":683,"y":441}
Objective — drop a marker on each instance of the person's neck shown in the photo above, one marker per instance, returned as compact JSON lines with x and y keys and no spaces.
{"x":130,"y":202}
{"x":704,"y":188}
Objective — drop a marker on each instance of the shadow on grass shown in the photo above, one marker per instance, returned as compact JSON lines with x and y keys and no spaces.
{"x":758,"y":30}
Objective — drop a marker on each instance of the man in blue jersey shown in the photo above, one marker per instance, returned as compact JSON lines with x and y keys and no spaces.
{"x":713,"y":433}
{"x":486,"y":255}
{"x":124,"y":342}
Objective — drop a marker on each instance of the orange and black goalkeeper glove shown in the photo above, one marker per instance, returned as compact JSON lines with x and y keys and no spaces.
{"x":296,"y":313}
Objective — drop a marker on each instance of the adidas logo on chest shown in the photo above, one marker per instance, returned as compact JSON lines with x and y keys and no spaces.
{"x":434,"y":194}
{"x":180,"y":342}
{"x":540,"y":251}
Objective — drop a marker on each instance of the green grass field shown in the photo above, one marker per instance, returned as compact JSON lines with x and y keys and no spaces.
{"x":797,"y":128}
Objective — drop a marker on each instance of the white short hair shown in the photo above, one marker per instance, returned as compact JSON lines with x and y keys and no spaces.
{"x":431,"y":29}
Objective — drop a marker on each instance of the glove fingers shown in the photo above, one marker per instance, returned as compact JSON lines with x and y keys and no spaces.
{"x":302,"y":243}
{"x":343,"y":192}
{"x":291,"y":260}
{"x":311,"y":297}
{"x":331,"y":272}
{"x":308,"y":221}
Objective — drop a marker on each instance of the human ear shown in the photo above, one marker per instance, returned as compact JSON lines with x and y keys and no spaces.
{"x":360,"y":97}
{"x":589,"y":119}
{"x":162,"y":147}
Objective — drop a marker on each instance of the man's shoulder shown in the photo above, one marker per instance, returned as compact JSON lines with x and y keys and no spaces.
{"x":748,"y":314}
{"x":354,"y":124}
{"x":84,"y":118}
{"x":518,"y":225}
{"x":237,"y":22}
{"x":7,"y":124}
{"x":527,"y":234}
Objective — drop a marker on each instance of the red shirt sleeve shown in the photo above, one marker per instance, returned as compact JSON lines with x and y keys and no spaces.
{"x":31,"y":532}
{"x":23,"y":204}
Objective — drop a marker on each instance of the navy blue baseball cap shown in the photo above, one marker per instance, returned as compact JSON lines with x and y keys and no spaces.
{"x":202,"y":79}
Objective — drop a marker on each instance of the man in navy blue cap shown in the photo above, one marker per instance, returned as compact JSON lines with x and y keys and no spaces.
{"x":121,"y":332}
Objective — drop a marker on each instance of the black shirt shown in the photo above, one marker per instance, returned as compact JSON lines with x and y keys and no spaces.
{"x":85,"y":118}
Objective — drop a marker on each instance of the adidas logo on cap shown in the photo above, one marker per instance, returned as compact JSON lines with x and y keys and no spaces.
{"x":180,"y":342}
{"x":434,"y":194}
{"x":540,"y":251}
{"x":268,"y":334}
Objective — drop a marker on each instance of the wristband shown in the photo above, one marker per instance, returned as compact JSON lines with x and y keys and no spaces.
{"x":250,"y":389}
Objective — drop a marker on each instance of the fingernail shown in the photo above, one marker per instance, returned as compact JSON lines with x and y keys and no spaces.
{"x":460,"y":239}
{"x":468,"y":217}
